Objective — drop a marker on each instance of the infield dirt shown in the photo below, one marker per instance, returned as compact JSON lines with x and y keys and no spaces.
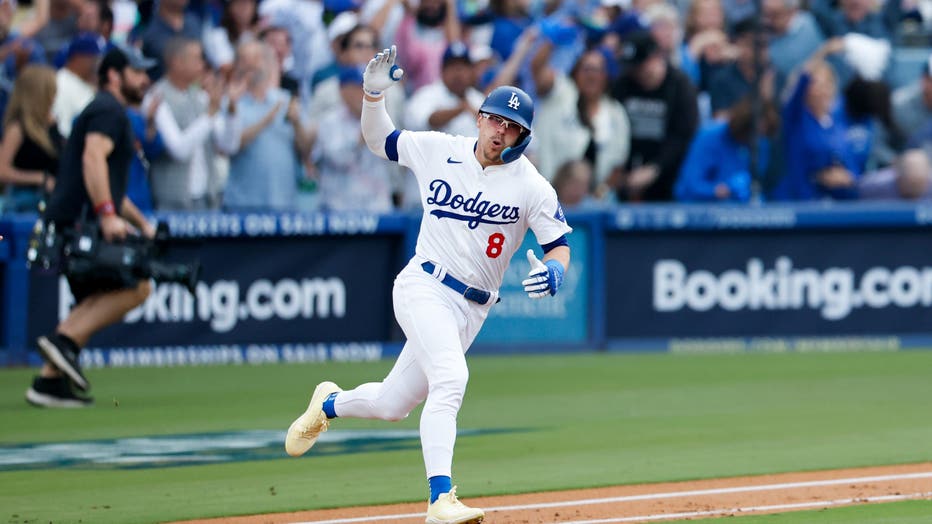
{"x":655,"y":502}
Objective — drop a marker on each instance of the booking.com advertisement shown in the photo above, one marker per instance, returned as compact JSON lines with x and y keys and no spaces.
{"x":768,"y":283}
{"x":302,"y":292}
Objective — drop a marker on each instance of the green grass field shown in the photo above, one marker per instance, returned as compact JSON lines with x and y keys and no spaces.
{"x":571,"y":421}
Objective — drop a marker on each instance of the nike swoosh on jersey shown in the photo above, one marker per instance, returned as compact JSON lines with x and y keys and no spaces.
{"x":451,"y":161}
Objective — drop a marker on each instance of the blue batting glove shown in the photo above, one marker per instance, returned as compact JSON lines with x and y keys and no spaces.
{"x":543,"y":279}
{"x":381,"y":73}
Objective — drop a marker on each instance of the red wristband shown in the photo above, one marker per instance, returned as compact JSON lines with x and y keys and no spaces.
{"x":105,"y":208}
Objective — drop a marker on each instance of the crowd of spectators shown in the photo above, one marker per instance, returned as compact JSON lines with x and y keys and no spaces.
{"x":254,"y":104}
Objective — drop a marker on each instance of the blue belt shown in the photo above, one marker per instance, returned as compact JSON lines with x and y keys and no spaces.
{"x":478,"y":296}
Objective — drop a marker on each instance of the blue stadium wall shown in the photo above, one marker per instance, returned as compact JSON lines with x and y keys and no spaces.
{"x":317,"y":287}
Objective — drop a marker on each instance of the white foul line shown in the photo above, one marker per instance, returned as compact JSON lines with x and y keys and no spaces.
{"x":367,"y":519}
{"x":654,"y":496}
{"x":716,"y":491}
{"x":752,"y":509}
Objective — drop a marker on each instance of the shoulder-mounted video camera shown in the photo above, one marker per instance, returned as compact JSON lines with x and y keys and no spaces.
{"x":82,"y":250}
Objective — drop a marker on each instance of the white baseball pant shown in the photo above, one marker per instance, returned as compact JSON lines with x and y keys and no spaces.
{"x":440,"y":325}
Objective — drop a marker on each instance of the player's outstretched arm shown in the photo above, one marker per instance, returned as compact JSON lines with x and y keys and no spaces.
{"x":381,"y":73}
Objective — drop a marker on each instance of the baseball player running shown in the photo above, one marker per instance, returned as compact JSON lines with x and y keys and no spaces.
{"x":480,"y":196}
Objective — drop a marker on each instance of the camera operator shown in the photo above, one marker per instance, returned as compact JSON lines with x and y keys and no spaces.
{"x":91,"y":188}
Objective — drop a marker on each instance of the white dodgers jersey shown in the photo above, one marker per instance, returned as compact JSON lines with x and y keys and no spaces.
{"x":475,"y":219}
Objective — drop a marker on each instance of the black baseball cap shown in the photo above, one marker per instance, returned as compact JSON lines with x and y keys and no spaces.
{"x":637,"y":48}
{"x":743,"y":27}
{"x":120,"y":57}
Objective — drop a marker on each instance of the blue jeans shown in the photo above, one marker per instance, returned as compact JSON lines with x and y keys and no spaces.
{"x":22,"y":199}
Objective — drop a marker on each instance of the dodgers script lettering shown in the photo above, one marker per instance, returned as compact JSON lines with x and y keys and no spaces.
{"x":475,"y":211}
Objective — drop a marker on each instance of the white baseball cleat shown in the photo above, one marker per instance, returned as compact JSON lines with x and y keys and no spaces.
{"x":305,"y":429}
{"x":447,"y":509}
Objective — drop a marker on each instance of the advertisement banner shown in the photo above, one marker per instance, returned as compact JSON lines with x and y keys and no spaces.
{"x":562,"y":318}
{"x":253,"y":291}
{"x":768,"y":283}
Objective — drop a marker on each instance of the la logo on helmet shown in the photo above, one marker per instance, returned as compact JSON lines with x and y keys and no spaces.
{"x":513,"y":102}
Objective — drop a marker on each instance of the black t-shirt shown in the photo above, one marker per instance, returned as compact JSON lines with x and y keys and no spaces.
{"x":663,"y":122}
{"x":32,"y":157}
{"x":104,"y":115}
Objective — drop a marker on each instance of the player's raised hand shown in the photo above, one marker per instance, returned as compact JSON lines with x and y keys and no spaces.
{"x":543,"y":279}
{"x":381,"y":73}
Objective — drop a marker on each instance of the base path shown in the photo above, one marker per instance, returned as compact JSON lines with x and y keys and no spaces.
{"x":656,"y":502}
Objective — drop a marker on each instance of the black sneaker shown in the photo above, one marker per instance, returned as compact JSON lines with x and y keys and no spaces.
{"x":55,"y":393}
{"x":64,"y":356}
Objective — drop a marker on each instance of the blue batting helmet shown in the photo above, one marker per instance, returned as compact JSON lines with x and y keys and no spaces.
{"x":511,"y":103}
{"x":514,"y":104}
